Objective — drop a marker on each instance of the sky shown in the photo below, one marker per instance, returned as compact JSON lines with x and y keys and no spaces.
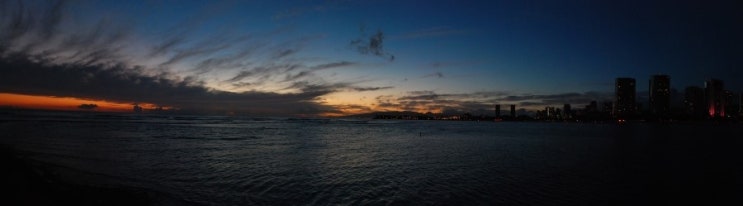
{"x":334,"y":58}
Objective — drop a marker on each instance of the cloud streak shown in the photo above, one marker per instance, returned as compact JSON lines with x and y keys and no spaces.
{"x":122,"y":85}
{"x":435,"y":74}
{"x":43,"y":52}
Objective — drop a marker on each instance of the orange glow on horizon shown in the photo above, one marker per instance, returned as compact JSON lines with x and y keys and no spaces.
{"x":65,"y":103}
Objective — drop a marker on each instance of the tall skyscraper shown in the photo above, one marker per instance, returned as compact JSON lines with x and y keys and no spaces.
{"x":694,"y":102}
{"x":714,"y":91}
{"x":624,"y":98}
{"x":728,"y":101}
{"x":592,"y":107}
{"x":567,"y":111}
{"x":607,"y":106}
{"x":513,"y":110}
{"x":497,"y":111}
{"x":660,"y":95}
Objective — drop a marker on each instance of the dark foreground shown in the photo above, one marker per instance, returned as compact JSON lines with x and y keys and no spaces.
{"x":140,"y":160}
{"x":26,"y":183}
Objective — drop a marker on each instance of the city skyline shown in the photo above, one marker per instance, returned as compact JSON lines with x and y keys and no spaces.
{"x":345,"y":57}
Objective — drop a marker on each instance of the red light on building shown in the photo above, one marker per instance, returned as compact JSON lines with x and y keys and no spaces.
{"x":711,"y":111}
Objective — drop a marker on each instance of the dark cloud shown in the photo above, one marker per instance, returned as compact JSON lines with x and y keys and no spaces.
{"x":242,"y":75}
{"x":313,"y":69}
{"x":284,"y":53}
{"x":241,"y":84}
{"x":33,"y":31}
{"x":318,"y":87}
{"x":166,"y":46}
{"x":301,"y":74}
{"x":425,"y":92}
{"x":119,"y":84}
{"x":420,"y":97}
{"x":222,"y":62}
{"x":332,"y":65}
{"x":290,"y":71}
{"x":321,"y":87}
{"x":205,"y":47}
{"x":372,"y":44}
{"x":96,"y":61}
{"x":364,"y":89}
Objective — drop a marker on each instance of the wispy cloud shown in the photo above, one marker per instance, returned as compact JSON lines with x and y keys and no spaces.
{"x":40,"y":57}
{"x":188,"y":95}
{"x":364,"y":89}
{"x":435,"y":74}
{"x":332,"y":65}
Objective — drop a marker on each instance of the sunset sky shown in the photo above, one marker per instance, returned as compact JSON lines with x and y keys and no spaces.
{"x":316,"y":58}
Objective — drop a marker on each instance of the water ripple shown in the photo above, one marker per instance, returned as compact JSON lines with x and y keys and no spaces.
{"x":224,"y":161}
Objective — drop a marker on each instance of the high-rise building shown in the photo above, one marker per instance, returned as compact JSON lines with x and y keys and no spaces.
{"x":660,"y":95}
{"x":497,"y":111}
{"x":624,"y":99}
{"x":567,"y":111}
{"x":694,"y":101}
{"x":551,"y":113}
{"x":607,"y":106}
{"x":728,"y":99}
{"x":591,"y":107}
{"x":715,"y":97}
{"x":513,"y":110}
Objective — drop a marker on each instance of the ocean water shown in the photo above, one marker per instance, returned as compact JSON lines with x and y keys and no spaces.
{"x":217,"y":160}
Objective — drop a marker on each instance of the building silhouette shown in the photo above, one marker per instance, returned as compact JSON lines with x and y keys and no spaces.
{"x":728,"y":99}
{"x":550,"y":113}
{"x":660,"y":95}
{"x":592,"y":107}
{"x":607,"y":106}
{"x":513,"y":111}
{"x":694,"y":102}
{"x":624,"y":98}
{"x":567,"y":112}
{"x":497,"y":111}
{"x":715,"y":97}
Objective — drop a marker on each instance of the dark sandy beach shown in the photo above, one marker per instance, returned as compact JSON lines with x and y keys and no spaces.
{"x":26,"y":182}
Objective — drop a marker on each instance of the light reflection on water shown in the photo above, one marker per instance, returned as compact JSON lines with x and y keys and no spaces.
{"x":225,"y":160}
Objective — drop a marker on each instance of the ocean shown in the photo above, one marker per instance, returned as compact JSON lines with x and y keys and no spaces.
{"x":223,"y":160}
